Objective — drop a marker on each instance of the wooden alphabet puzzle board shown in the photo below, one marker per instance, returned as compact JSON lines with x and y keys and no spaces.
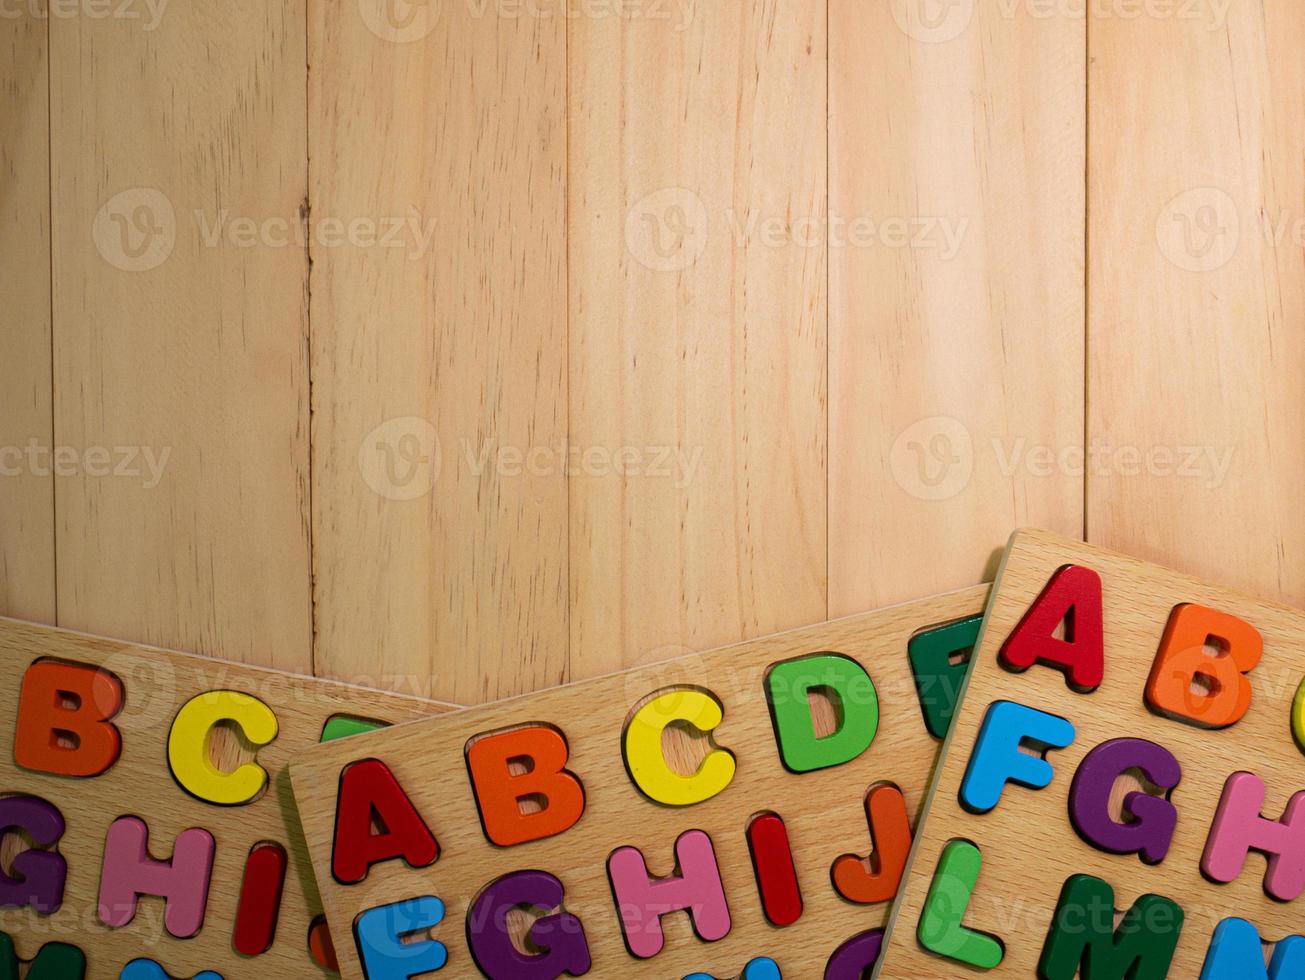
{"x":1099,"y":677}
{"x":143,"y":838}
{"x":566,"y":803}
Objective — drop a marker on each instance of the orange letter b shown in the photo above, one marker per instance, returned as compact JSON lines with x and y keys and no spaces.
{"x":64,"y":725}
{"x":500,"y":792}
{"x":1225,"y":693}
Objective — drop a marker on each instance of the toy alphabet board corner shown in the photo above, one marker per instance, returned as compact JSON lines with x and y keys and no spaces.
{"x":1122,"y":792}
{"x":146,"y":813}
{"x":744,"y":852}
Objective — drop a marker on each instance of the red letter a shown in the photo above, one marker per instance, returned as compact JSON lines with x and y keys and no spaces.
{"x":375,"y":821}
{"x":1073,"y":596}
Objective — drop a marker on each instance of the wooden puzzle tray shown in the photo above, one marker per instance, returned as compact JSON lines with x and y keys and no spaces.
{"x":1096,"y":672}
{"x":133,"y":774}
{"x":565,"y":808}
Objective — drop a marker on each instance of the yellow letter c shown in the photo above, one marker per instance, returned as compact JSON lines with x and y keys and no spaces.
{"x":188,"y":746}
{"x":647,"y":763}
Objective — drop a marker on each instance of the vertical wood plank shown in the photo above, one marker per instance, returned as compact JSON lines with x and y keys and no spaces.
{"x":956,"y":291}
{"x":180,"y":327}
{"x":1197,"y":292}
{"x":698,"y":327}
{"x":27,"y":578}
{"x":440,"y":398}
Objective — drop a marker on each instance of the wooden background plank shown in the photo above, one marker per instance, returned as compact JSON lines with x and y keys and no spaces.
{"x":177,"y":337}
{"x":698,"y":328}
{"x":27,"y":578}
{"x":440,"y":538}
{"x":956,"y":296}
{"x":529,"y":159}
{"x":1197,"y":192}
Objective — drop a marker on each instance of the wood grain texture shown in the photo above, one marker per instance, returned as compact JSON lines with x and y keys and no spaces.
{"x":956,"y":159}
{"x":27,"y":578}
{"x":697,"y":327}
{"x":1197,"y":290}
{"x":180,"y":332}
{"x":439,"y":365}
{"x":1028,"y":844}
{"x":823,"y":810}
{"x":157,"y":684}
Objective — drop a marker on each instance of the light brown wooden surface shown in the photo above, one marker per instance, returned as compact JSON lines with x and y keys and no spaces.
{"x":1197,"y":200}
{"x":1029,"y":846}
{"x":157,"y":684}
{"x":956,"y":325}
{"x":27,"y":586}
{"x":618,"y":300}
{"x":698,"y":327}
{"x":831,"y":420}
{"x":823,"y":810}
{"x":180,"y":332}
{"x":439,"y":366}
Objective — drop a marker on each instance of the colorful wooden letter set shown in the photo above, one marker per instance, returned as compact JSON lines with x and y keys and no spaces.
{"x":745,"y":812}
{"x":146,"y":821}
{"x":1129,"y":741}
{"x":1121,"y":797}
